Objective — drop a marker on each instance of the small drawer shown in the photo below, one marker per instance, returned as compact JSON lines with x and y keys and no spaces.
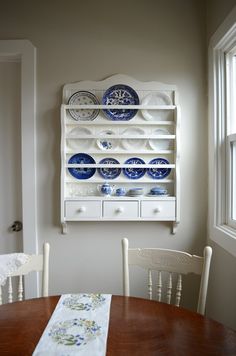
{"x":160,"y":210}
{"x":120,"y":209}
{"x":76,"y":210}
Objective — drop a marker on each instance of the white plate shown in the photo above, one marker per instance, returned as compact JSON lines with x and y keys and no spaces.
{"x":133,"y":143}
{"x":157,"y":98}
{"x":159,"y":144}
{"x":83,"y":98}
{"x":106,"y":143}
{"x":77,"y":143}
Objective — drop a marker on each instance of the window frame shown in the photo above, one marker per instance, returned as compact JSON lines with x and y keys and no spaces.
{"x":231,"y":171}
{"x":220,"y":228}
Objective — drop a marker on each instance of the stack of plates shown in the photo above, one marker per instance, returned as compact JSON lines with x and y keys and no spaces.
{"x":135,"y":192}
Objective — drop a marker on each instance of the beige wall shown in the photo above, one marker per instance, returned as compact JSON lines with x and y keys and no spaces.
{"x":146,"y":39}
{"x":217,"y":10}
{"x":222,"y":289}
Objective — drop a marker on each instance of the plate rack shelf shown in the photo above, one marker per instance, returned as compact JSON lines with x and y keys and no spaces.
{"x":133,"y":157}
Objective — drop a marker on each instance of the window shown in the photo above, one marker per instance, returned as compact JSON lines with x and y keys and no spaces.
{"x":222,"y":135}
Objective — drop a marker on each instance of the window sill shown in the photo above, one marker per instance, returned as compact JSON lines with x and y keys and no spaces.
{"x":225,"y":237}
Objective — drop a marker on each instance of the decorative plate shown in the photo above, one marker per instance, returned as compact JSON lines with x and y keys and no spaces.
{"x":79,"y":143}
{"x":83,"y":98}
{"x":74,"y":332}
{"x":159,"y":144}
{"x":158,"y":173}
{"x":106,"y":143}
{"x":134,"y":172}
{"x":133,"y":143}
{"x":157,"y":98}
{"x":120,"y":94}
{"x":109,"y":173}
{"x":82,"y":173}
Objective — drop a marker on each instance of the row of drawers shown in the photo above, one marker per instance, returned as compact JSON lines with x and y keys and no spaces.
{"x":119,"y":210}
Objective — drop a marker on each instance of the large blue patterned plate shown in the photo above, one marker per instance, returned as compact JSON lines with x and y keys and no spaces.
{"x":120,"y":94}
{"x":82,"y":173}
{"x":134,"y":172}
{"x":159,"y":173}
{"x":109,"y":173}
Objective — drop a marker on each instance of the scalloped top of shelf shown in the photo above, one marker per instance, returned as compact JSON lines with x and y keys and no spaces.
{"x":102,"y":85}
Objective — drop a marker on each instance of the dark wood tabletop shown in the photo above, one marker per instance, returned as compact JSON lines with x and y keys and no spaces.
{"x":136,"y":327}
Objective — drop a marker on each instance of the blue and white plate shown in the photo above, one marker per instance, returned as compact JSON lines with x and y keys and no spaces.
{"x":83,"y":97}
{"x":134,"y":172}
{"x":106,"y":143}
{"x":120,"y":94}
{"x":109,"y":173}
{"x":158,"y":173}
{"x":82,"y":173}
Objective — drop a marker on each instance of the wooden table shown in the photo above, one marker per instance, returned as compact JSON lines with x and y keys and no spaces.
{"x":137,"y":327}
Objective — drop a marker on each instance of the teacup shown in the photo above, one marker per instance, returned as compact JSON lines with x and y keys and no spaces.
{"x":120,"y":191}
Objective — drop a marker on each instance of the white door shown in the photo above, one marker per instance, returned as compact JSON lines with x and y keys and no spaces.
{"x":25,"y":168}
{"x":10,"y":156}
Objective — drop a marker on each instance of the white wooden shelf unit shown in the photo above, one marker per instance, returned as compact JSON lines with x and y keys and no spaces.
{"x":80,"y":198}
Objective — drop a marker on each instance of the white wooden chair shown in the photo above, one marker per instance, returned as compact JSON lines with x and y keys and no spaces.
{"x":38,"y":263}
{"x":172,"y":262}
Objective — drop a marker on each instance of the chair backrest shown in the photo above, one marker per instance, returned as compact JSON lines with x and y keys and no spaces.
{"x":37,"y":263}
{"x":172,"y":262}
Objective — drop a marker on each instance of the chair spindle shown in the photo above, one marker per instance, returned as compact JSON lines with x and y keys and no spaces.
{"x":10,"y":290}
{"x":150,"y":284}
{"x":20,"y":289}
{"x":159,"y":286}
{"x":169,"y":288}
{"x":178,"y":290}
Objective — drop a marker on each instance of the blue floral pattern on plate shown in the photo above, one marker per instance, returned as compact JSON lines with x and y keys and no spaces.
{"x":159,"y":173}
{"x":134,"y":172}
{"x":109,"y":173}
{"x":105,"y":142}
{"x":120,"y":94}
{"x":74,"y":332}
{"x":82,"y":173}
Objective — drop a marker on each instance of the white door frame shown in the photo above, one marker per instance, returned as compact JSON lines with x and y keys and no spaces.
{"x":24,"y":52}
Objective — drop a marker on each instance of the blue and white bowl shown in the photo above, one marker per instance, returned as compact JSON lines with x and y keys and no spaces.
{"x":158,"y":191}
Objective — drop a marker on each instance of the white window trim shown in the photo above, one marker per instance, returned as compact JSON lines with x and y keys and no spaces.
{"x":222,"y":41}
{"x":231,"y":139}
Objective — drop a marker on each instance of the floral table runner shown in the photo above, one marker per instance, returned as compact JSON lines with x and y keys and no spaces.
{"x":78,"y":326}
